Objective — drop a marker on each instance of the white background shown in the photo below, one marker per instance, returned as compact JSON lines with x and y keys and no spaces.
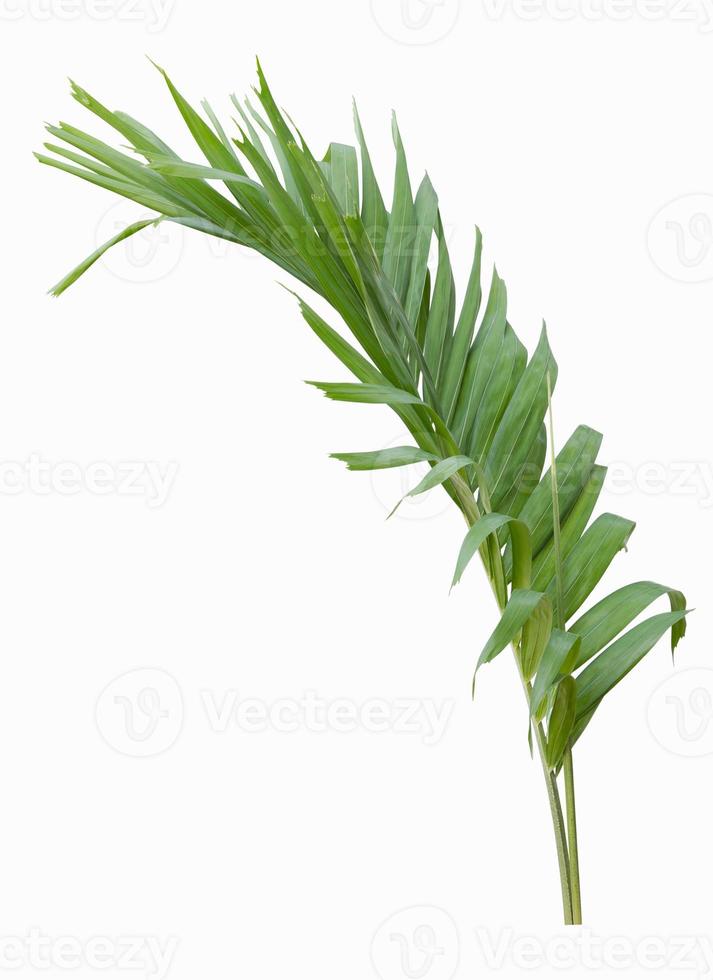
{"x":269,"y":570}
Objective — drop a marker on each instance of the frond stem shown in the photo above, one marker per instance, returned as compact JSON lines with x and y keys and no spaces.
{"x":492,"y":561}
{"x":572,"y":837}
{"x":560,"y":623}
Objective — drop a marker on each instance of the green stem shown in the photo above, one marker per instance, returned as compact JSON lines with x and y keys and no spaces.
{"x":492,"y":559}
{"x":560,"y":623}
{"x":560,"y":837}
{"x":553,"y":796}
{"x":572,"y":835}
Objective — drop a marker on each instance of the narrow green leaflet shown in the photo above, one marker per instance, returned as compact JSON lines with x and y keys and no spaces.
{"x":384,"y":459}
{"x":543,"y":569}
{"x":562,"y":719}
{"x":426,"y":212}
{"x":283,"y":140}
{"x":463,"y":335}
{"x":211,"y":145}
{"x":479,"y":533}
{"x":95,"y":256}
{"x":369,"y":394}
{"x":344,"y":176}
{"x":223,"y":136}
{"x":123,"y":164}
{"x":441,"y":472}
{"x":179,"y":168}
{"x":248,"y":191}
{"x":378,"y":303}
{"x":502,"y":383}
{"x":117,"y":185}
{"x":373,"y":212}
{"x":590,"y":558}
{"x":574,"y":467}
{"x":559,"y":658}
{"x":606,"y":670}
{"x":330,"y":216}
{"x":79,"y":158}
{"x":608,"y":618}
{"x":521,"y":422}
{"x":245,"y":114}
{"x":527,"y":481}
{"x":481,"y":361}
{"x":398,"y":247}
{"x":437,"y":476}
{"x":139,"y":135}
{"x":535,"y":636}
{"x":277,"y":147}
{"x":422,"y":318}
{"x":522,"y":605}
{"x":441,"y":315}
{"x":341,"y":348}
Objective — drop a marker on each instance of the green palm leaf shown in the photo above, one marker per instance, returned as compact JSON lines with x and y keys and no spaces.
{"x":611,"y":666}
{"x":385,"y":458}
{"x":460,"y":381}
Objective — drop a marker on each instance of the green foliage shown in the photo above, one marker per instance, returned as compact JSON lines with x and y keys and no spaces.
{"x":461,"y":382}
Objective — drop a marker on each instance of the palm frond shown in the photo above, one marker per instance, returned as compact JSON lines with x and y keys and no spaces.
{"x":460,"y":381}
